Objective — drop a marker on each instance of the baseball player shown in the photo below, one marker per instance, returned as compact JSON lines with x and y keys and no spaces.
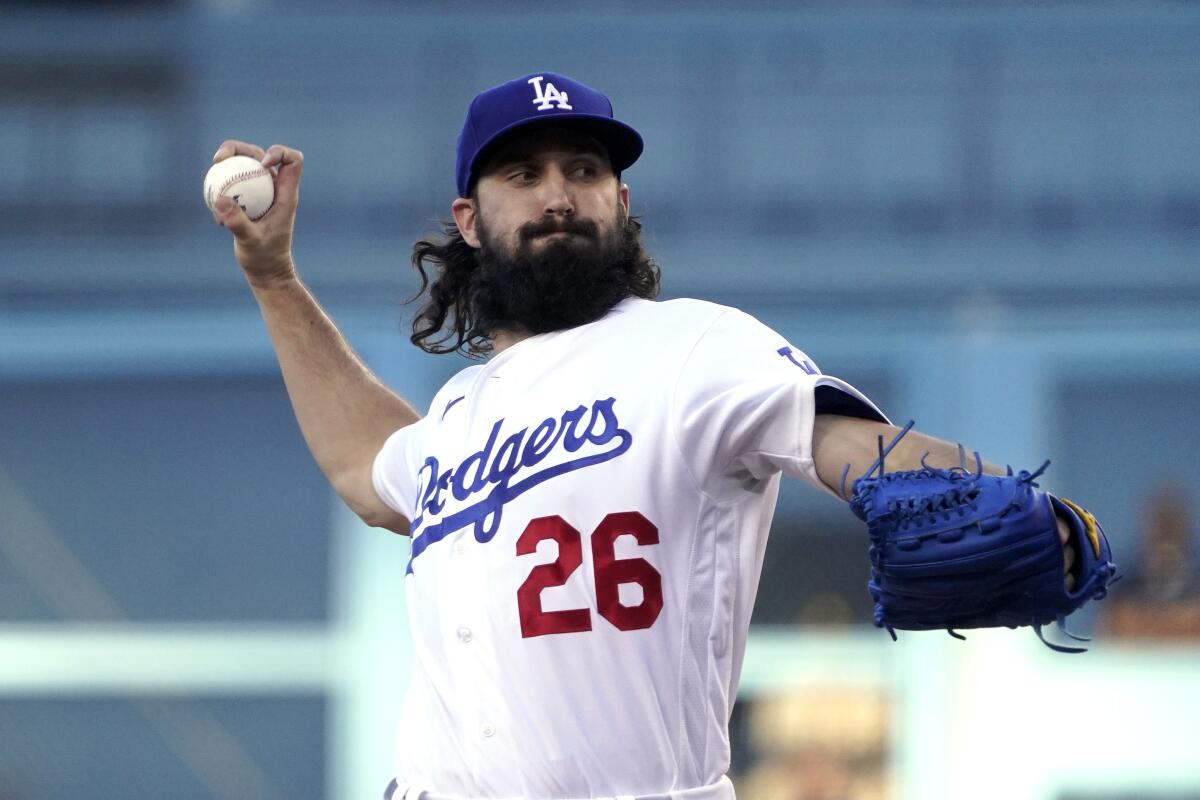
{"x":588,"y":506}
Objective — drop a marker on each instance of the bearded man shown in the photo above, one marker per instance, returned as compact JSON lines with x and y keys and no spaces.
{"x":589,"y":506}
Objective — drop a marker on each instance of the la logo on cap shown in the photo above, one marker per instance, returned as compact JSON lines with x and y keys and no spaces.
{"x":549,"y":97}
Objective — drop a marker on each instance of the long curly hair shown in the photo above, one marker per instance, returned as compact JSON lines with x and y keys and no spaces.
{"x":450,"y":320}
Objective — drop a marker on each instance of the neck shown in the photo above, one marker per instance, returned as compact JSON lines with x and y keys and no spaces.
{"x":504,"y":339}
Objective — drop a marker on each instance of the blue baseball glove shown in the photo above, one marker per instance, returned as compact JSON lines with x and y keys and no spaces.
{"x":955,"y":548}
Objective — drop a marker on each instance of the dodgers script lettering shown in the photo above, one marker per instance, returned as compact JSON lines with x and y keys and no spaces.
{"x":490,"y":477}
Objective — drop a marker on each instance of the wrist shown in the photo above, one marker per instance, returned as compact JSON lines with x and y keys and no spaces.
{"x":267,"y":277}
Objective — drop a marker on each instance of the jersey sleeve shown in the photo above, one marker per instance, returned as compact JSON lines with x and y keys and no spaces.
{"x":744,"y":404}
{"x":397,"y":466}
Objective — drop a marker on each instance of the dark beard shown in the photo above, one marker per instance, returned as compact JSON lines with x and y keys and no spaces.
{"x":570,"y":281}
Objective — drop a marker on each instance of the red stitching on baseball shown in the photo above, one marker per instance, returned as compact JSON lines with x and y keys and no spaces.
{"x":241,"y":176}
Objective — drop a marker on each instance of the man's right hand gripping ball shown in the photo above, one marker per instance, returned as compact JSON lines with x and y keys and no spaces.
{"x":264,"y":247}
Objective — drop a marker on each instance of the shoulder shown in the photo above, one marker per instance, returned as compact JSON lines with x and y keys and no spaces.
{"x":677,"y":307}
{"x":681,"y":328}
{"x":457,"y":386}
{"x":679,"y":315}
{"x":716,"y":322}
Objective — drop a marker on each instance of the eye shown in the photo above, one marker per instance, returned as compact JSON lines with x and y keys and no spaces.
{"x":586,"y":171}
{"x":522,"y":176}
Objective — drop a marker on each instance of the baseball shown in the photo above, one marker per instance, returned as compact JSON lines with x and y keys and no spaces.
{"x":243,"y":178}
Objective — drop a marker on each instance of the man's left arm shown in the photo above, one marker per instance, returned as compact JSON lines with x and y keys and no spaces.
{"x":848,"y":446}
{"x":955,"y":544}
{"x":838,"y":441}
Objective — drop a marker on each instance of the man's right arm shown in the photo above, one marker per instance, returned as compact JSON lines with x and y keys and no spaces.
{"x":344,"y":411}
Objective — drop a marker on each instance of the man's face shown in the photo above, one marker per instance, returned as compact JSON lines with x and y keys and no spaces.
{"x":553,"y":185}
{"x":554,"y":245}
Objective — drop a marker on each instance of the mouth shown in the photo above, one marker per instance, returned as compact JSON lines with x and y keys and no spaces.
{"x":551,"y":233}
{"x":554,"y":236}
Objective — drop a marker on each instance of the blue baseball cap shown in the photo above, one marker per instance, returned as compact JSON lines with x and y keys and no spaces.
{"x":537,"y":99}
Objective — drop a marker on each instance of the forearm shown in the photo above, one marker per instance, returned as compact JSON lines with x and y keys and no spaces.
{"x":838,"y":441}
{"x":345,"y":413}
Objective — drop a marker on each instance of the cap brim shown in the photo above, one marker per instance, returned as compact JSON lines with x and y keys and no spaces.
{"x":623,"y":143}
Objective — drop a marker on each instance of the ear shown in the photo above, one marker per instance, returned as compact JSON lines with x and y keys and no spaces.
{"x":624,"y":193}
{"x":465,"y":214}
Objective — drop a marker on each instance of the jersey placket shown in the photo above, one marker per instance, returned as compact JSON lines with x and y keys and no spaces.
{"x":469,"y":638}
{"x":465,"y":644}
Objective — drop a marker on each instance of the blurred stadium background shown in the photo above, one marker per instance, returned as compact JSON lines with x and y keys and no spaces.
{"x":986,"y":215}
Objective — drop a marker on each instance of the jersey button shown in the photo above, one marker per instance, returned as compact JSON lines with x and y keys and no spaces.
{"x":488,"y":730}
{"x":460,"y":547}
{"x":464,"y":634}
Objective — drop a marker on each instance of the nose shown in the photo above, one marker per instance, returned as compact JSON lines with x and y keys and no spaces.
{"x":556,"y":199}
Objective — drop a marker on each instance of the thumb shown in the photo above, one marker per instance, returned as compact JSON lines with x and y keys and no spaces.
{"x":230,"y":215}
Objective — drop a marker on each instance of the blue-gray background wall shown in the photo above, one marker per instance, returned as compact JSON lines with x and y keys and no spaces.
{"x":985,"y":215}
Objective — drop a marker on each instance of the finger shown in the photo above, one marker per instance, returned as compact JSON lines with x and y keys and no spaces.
{"x":1068,"y":558}
{"x":278,"y":155}
{"x":230,"y":215}
{"x":1070,"y":582}
{"x":232,"y":147}
{"x":290,"y":163}
{"x":1064,"y":532}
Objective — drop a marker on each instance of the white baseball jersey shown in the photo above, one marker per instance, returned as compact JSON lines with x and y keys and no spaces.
{"x":589,"y":512}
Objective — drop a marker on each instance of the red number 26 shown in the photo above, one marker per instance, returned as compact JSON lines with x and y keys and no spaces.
{"x":609,"y":572}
